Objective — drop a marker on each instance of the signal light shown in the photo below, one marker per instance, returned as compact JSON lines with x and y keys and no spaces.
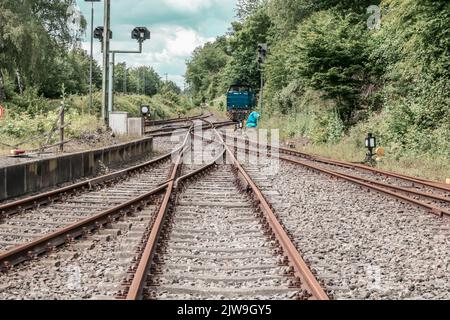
{"x":262,"y":53}
{"x":99,"y":31}
{"x":140,"y":34}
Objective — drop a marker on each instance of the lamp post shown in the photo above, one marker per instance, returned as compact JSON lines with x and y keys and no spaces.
{"x":91,"y":103}
{"x":105,"y":44}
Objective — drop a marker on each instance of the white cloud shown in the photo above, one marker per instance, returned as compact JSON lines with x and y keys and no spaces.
{"x":182,"y":42}
{"x":167,"y":51}
{"x":177,"y":27}
{"x":189,"y":5}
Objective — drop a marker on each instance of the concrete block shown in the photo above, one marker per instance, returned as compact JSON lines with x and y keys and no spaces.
{"x":77,"y":166}
{"x":64,"y":169}
{"x":107,"y":157}
{"x":16,"y":177}
{"x":33,"y":176}
{"x":118,"y":121}
{"x":39,"y":175}
{"x":136,"y":127}
{"x":2,"y":183}
{"x":49,"y":173}
{"x":88,"y":164}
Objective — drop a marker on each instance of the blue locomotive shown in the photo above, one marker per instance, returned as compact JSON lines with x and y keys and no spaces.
{"x":241,"y":100}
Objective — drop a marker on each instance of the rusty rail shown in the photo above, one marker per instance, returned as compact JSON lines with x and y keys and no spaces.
{"x":414,"y":180}
{"x":177,"y":120}
{"x":68,"y":234}
{"x":46,"y":197}
{"x":83,"y":227}
{"x":374,"y":185}
{"x":137,"y":285}
{"x":164,"y":132}
{"x":301,"y":270}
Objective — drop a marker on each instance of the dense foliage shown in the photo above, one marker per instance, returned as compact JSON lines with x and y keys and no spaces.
{"x":337,"y":71}
{"x":40,"y":52}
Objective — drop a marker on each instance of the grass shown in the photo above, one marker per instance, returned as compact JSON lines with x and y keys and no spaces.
{"x":29,"y":130}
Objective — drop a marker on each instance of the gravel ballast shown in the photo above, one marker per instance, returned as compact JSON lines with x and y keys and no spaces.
{"x":363,"y":245}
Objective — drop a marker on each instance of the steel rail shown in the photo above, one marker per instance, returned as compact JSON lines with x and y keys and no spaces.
{"x":163,"y":132}
{"x":377,"y":186}
{"x":46,"y":197}
{"x":301,"y":269}
{"x":137,"y":285}
{"x":48,"y":242}
{"x":414,"y":180}
{"x":169,"y":121}
{"x":381,"y":184}
{"x":371,"y":185}
{"x":68,"y":234}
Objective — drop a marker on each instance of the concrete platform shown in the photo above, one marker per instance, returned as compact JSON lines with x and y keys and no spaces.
{"x":34,"y":176}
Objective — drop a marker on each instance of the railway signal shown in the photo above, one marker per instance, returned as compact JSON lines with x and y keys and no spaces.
{"x":104,"y":34}
{"x":98,"y":33}
{"x":262,"y":52}
{"x":145,"y":110}
{"x":140,"y":34}
{"x":371,"y":144}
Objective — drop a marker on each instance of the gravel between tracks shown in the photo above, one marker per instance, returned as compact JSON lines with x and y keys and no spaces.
{"x":388,"y":180}
{"x":362,"y":245}
{"x":219,"y":247}
{"x":90,"y":269}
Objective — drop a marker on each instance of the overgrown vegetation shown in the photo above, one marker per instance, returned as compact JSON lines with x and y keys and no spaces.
{"x":27,"y":123}
{"x":332,"y":76}
{"x":40,"y":54}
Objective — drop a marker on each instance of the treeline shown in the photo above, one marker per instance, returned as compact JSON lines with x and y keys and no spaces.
{"x":40,"y":53}
{"x":39,"y":48}
{"x":337,"y":66}
{"x":141,"y":80}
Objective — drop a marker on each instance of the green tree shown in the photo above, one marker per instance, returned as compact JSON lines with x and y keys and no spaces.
{"x":203,"y":68}
{"x":34,"y":35}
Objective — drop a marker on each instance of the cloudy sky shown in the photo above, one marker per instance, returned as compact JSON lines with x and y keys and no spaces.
{"x":177,"y":26}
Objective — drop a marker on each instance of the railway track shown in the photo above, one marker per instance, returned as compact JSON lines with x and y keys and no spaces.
{"x":431,"y":195}
{"x":361,"y":245}
{"x":35,"y":225}
{"x":214,"y":246}
{"x":178,"y":230}
{"x":177,"y":120}
{"x":23,"y":228}
{"x":39,"y":224}
{"x":182,"y":236}
{"x":261,"y":260}
{"x":171,"y":129}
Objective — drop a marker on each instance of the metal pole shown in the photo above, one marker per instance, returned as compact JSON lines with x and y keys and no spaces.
{"x":111,"y":82}
{"x":262,"y":92}
{"x":125,"y":81}
{"x":106,"y":33}
{"x":61,"y":128}
{"x":91,"y":103}
{"x":143,"y":76}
